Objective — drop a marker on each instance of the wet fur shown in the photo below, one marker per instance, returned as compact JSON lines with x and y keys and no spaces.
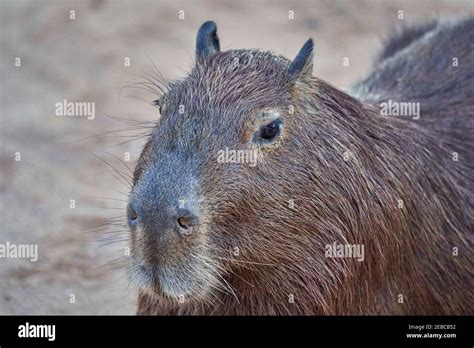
{"x":408,"y":250}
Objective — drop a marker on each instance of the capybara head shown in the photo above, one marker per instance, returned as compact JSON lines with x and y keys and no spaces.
{"x":214,"y":177}
{"x":255,"y":167}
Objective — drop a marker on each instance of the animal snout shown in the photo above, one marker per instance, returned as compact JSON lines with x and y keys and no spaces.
{"x":186,"y":220}
{"x":163,"y":219}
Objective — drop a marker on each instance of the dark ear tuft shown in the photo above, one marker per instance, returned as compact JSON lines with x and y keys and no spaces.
{"x":207,"y":41}
{"x":303,"y":62}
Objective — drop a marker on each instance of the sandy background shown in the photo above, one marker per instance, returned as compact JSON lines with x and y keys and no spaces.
{"x":83,"y":60}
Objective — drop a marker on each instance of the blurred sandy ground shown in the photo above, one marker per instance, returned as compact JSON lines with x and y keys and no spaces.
{"x":83,"y":60}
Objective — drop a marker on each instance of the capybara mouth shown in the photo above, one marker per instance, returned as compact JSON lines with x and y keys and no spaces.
{"x":187,"y":281}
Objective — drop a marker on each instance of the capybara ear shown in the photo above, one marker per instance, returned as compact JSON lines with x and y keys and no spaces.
{"x":207,"y":42}
{"x":303,"y":63}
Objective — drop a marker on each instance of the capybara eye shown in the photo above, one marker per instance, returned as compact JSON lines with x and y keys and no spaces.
{"x":270,"y":131}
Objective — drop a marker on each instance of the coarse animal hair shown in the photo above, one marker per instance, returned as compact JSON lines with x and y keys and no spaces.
{"x":338,"y":173}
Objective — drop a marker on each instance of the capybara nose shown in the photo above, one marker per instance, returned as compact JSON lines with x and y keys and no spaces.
{"x":132,"y":216}
{"x":162,"y":219}
{"x":186,"y":221}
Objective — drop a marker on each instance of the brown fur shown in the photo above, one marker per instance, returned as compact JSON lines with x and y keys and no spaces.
{"x":354,"y":200}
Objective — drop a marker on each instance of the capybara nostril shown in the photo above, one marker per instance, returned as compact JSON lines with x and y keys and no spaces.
{"x":132,"y":216}
{"x":186,"y":221}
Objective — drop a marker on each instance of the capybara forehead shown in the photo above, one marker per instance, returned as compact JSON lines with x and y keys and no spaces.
{"x":232,"y":80}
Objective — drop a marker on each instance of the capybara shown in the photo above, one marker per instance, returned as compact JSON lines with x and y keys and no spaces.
{"x":264,"y":190}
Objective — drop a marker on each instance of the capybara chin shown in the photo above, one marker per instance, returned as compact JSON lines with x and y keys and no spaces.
{"x":264,"y":190}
